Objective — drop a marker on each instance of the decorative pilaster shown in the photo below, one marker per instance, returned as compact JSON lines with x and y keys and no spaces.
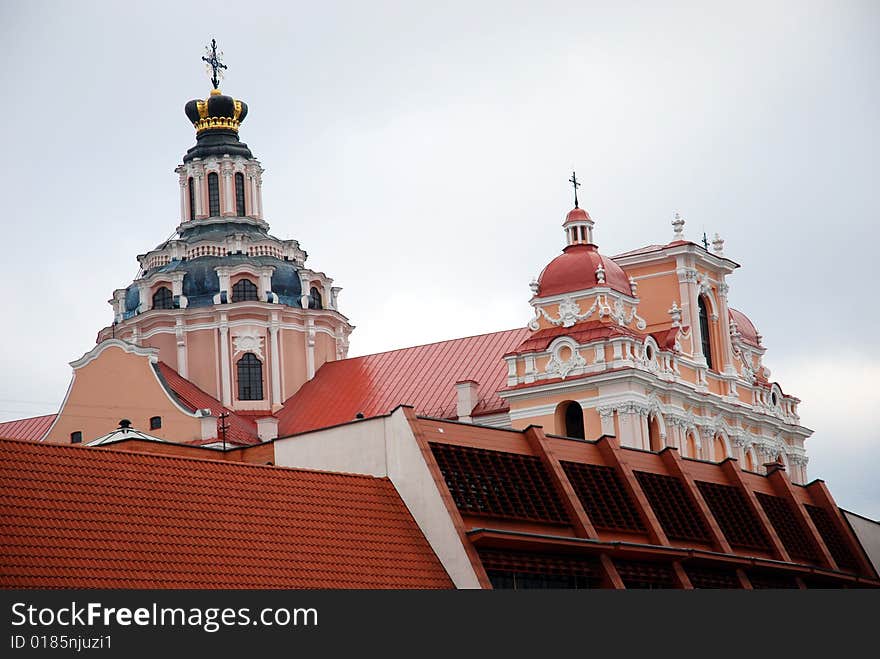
{"x":184,"y":196}
{"x":606,"y":418}
{"x":276,"y":361}
{"x":225,"y":365}
{"x":724,"y":330}
{"x":310,"y":347}
{"x":228,"y":194}
{"x":180,"y":338}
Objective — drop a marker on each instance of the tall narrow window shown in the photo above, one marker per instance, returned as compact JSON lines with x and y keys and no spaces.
{"x":574,"y":421}
{"x":213,"y":194}
{"x":244,"y":290}
{"x":162,"y":299}
{"x":315,"y":301}
{"x":239,"y":194}
{"x":192,"y":199}
{"x":250,"y":377}
{"x":704,"y":331}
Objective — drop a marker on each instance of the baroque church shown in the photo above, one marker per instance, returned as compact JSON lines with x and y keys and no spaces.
{"x":630,"y":436}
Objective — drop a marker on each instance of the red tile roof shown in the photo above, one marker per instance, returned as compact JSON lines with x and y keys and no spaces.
{"x":31,"y":429}
{"x":240,"y":430}
{"x":78,"y":517}
{"x":421,"y":376}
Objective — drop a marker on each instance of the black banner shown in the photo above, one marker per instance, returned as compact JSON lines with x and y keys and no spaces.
{"x":380,"y":623}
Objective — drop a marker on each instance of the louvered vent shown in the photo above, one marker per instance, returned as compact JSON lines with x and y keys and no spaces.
{"x":674,"y":509}
{"x":499,"y":484}
{"x":603,"y":496}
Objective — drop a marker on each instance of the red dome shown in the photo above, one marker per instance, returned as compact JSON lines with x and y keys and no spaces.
{"x":577,"y":215}
{"x":575,"y":270}
{"x":745,"y":326}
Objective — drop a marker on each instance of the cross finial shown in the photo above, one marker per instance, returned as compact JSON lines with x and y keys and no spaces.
{"x":705,"y":242}
{"x":215,"y":66}
{"x":574,"y":182}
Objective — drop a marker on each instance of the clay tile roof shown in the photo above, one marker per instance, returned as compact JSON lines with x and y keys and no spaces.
{"x":421,"y":376}
{"x":240,"y":430}
{"x":32,"y":428}
{"x":78,"y":517}
{"x":582,"y":333}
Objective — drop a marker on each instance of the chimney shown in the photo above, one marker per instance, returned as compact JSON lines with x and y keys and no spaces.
{"x":267,"y":428}
{"x":466,"y":398}
{"x":209,"y":424}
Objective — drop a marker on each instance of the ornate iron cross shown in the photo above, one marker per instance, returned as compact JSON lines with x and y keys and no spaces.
{"x":214,"y":64}
{"x":574,"y":182}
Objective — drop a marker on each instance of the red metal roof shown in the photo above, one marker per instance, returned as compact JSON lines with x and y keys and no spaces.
{"x":582,"y":333}
{"x":78,"y":517}
{"x":575,"y":270}
{"x":745,"y":326}
{"x":32,"y":428}
{"x":421,"y":376}
{"x":240,"y":430}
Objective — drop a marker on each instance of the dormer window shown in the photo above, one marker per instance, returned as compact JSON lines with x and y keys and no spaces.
{"x":239,"y":194}
{"x":213,"y":194}
{"x":705,"y":338}
{"x":163,"y":299}
{"x":244,"y":290}
{"x":315,"y":301}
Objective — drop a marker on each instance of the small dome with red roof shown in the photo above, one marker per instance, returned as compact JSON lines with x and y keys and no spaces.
{"x":577,"y":215}
{"x":575,"y":270}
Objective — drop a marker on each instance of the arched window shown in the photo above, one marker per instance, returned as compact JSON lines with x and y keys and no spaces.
{"x":192,"y":199}
{"x":250,"y":377}
{"x":704,"y":331}
{"x":162,"y":299}
{"x":213,"y":194}
{"x":244,"y":290}
{"x":239,"y":194}
{"x":750,"y":460}
{"x":574,"y":421}
{"x":654,"y":440}
{"x":315,"y":301}
{"x":691,"y":446}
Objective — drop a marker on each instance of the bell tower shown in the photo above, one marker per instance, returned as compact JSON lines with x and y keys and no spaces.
{"x":228,"y":306}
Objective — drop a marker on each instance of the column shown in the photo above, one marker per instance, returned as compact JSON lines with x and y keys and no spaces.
{"x":228,"y":195}
{"x":184,"y":198}
{"x":724,"y":328}
{"x":276,"y":362}
{"x":310,"y":348}
{"x":180,"y":336}
{"x":225,"y":366}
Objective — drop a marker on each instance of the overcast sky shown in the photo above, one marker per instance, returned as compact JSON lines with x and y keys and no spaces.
{"x":420,"y":153}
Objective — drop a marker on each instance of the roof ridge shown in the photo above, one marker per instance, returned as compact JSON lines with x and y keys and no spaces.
{"x":165,"y":456}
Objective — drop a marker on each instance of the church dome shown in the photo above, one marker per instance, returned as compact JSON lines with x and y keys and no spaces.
{"x":577,"y":215}
{"x":575,"y":270}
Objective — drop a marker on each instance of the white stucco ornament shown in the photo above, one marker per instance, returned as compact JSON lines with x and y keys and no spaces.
{"x":248,"y":341}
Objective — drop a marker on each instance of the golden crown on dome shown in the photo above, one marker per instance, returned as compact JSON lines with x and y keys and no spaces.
{"x":218,"y":111}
